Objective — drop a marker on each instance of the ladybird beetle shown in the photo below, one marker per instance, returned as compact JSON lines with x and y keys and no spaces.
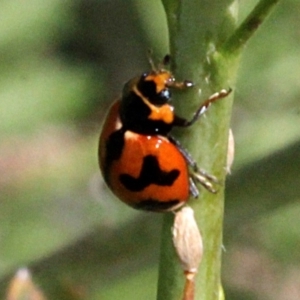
{"x":141,"y":162}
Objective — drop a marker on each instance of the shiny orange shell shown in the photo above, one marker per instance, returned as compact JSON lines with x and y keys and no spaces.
{"x":136,"y":148}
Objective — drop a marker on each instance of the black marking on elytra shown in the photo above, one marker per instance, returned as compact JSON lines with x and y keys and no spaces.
{"x":114,"y":147}
{"x":150,"y":174}
{"x":134,"y":114}
{"x":155,"y":205}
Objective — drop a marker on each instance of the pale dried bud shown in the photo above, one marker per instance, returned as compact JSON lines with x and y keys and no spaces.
{"x":187,"y":240}
{"x":22,"y":287}
{"x":230,"y":152}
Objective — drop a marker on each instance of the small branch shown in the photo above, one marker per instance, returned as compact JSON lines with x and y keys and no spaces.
{"x":246,"y":30}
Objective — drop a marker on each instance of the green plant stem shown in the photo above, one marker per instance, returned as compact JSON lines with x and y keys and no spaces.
{"x":193,"y":41}
{"x":198,"y":30}
{"x":250,"y":25}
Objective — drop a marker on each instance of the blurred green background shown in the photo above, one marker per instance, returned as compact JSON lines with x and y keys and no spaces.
{"x":61,"y":65}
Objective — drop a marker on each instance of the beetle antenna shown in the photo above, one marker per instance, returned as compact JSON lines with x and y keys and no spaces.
{"x":150,"y":59}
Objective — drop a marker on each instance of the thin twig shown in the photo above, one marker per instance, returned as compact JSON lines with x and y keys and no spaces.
{"x":244,"y":32}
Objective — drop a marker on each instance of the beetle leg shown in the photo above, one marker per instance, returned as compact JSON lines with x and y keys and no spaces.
{"x":204,"y":181}
{"x":181,"y":122}
{"x":197,"y":174}
{"x":193,"y":188}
